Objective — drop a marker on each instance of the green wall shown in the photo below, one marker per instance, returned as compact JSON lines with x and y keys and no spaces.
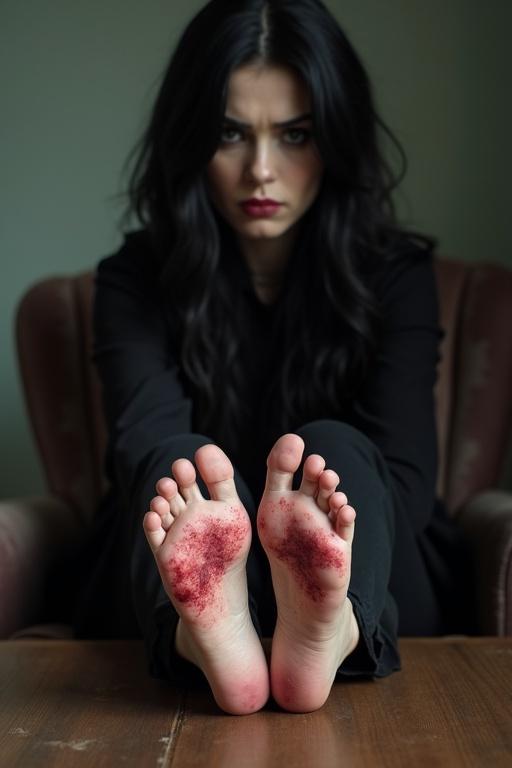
{"x":77,"y":80}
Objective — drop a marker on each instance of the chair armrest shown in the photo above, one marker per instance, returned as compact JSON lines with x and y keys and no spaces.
{"x":487,"y":524}
{"x":34,"y":532}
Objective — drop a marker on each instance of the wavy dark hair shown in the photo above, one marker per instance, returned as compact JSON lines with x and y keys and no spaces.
{"x":326,"y":342}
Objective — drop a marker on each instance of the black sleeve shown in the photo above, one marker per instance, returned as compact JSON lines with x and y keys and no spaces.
{"x":147,"y":411}
{"x":143,"y":398}
{"x":396,"y":407}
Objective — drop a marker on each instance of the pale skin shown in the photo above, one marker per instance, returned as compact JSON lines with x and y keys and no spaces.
{"x":201,"y":545}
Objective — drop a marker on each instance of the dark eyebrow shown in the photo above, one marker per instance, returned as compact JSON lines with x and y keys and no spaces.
{"x":285,"y":124}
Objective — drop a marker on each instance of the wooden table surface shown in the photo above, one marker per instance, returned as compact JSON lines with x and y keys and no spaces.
{"x":70,"y":703}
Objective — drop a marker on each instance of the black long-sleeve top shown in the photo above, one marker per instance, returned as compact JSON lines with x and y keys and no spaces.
{"x":146,"y":398}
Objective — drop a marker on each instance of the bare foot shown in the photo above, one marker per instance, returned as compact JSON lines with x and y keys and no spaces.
{"x":307,"y":535}
{"x":200,"y":547}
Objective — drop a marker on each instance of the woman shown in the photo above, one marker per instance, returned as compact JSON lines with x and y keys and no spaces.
{"x":269,"y":306}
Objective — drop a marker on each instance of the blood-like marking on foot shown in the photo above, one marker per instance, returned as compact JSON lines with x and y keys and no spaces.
{"x":204,"y":553}
{"x":285,"y":505}
{"x":306,"y":551}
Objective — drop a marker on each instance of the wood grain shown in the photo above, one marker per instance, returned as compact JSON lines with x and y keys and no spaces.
{"x":450,"y":706}
{"x":68,"y":703}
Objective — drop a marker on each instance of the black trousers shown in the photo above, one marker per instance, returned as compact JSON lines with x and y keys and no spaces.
{"x":391,"y":586}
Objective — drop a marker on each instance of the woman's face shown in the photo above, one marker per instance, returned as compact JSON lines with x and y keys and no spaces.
{"x":266,"y":171}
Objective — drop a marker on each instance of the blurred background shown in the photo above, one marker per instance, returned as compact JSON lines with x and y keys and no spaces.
{"x":77,"y":83}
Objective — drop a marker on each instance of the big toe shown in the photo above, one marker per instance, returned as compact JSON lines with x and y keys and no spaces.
{"x":217,"y":472}
{"x":283,"y":461}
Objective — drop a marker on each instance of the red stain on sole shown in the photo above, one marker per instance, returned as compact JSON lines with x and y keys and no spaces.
{"x":204,"y":553}
{"x":304,"y":550}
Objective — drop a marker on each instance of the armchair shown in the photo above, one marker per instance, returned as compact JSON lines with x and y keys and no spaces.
{"x":474,"y":410}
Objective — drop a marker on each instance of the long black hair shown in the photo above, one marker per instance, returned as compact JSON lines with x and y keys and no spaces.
{"x":326,"y":340}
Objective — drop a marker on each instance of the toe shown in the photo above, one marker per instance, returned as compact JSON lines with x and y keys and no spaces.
{"x":155,"y":534}
{"x":185,"y":476}
{"x":161,"y":507}
{"x":336,"y":500}
{"x":313,"y":467}
{"x":283,"y":461}
{"x":167,"y":488}
{"x":344,"y":523}
{"x":327,"y":483}
{"x":217,"y":472}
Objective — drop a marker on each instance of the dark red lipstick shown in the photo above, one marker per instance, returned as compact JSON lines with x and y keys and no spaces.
{"x":260,"y":208}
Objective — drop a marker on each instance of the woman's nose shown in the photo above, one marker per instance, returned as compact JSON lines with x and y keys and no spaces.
{"x":261,"y":166}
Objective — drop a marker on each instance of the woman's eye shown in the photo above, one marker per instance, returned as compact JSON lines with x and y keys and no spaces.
{"x":296,"y":136}
{"x":230,"y":136}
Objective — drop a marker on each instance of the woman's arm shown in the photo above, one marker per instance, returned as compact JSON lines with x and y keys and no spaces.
{"x":396,"y":408}
{"x":143,"y":397}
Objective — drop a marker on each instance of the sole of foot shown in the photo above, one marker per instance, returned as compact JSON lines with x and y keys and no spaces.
{"x":200,"y":547}
{"x":307,"y":535}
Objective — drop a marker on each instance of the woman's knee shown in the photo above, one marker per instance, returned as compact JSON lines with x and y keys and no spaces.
{"x":331,"y":438}
{"x":351,"y":454}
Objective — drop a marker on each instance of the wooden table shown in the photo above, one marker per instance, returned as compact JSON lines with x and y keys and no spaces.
{"x":70,"y":703}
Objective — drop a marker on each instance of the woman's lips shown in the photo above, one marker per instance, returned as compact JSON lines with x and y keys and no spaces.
{"x":260,"y":209}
